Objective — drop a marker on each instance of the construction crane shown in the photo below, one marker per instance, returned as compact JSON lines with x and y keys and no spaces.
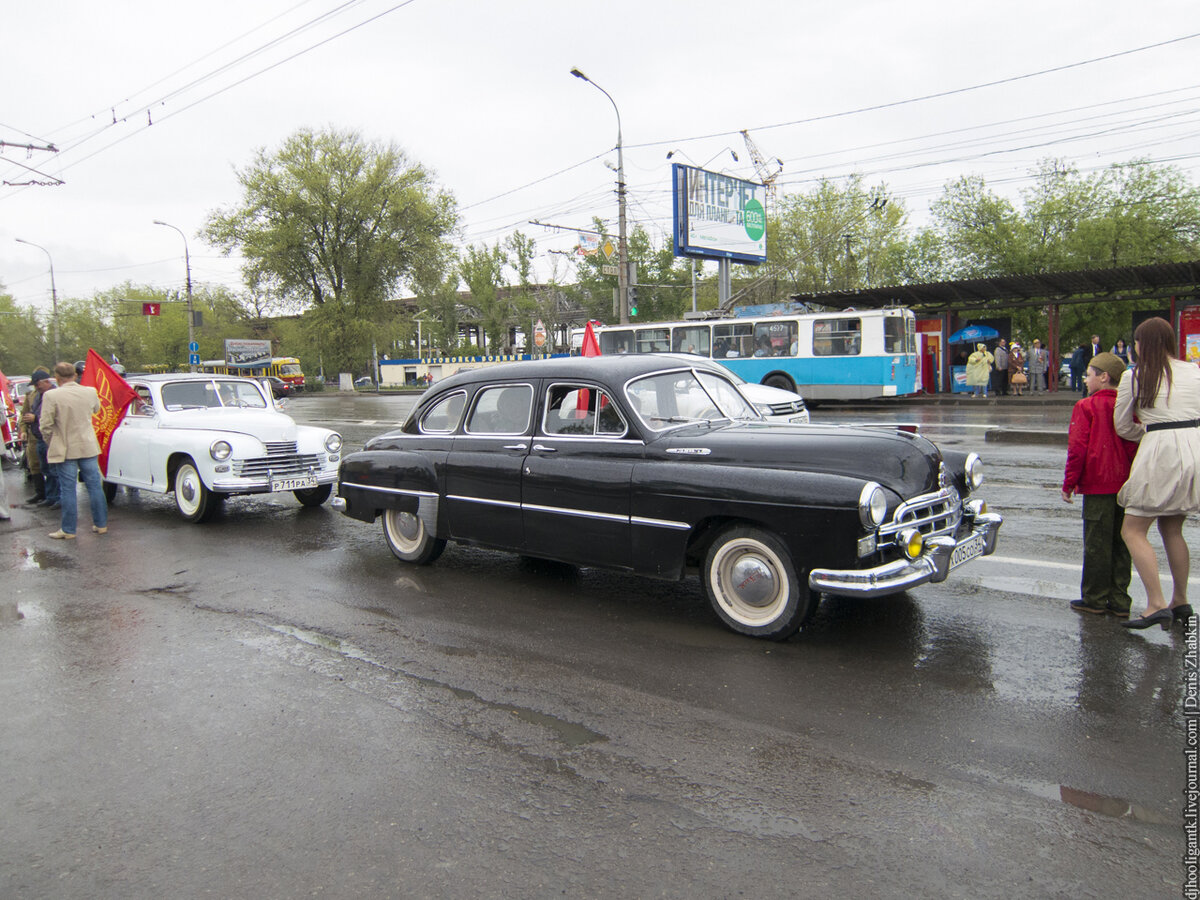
{"x":767,"y":171}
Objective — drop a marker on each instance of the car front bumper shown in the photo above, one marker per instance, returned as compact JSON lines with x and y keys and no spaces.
{"x":232,"y":485}
{"x":941,"y":554}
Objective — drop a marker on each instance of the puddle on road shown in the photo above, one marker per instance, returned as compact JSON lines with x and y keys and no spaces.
{"x":1117,"y":807}
{"x":33,"y":560}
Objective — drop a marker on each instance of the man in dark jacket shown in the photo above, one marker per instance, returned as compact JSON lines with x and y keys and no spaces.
{"x":1077,"y":365}
{"x":1000,"y":369}
{"x":47,"y":490}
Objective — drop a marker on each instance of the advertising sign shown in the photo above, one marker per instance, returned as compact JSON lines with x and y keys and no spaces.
{"x":247,"y":353}
{"x":718,"y":216}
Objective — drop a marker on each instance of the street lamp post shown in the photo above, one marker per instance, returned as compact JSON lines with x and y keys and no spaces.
{"x":622,"y":255}
{"x":53,"y":290}
{"x":187,"y":262}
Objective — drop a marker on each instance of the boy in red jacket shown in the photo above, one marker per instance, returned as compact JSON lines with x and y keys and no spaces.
{"x":1097,"y":465}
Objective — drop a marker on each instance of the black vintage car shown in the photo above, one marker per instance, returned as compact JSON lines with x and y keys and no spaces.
{"x":657,"y":465}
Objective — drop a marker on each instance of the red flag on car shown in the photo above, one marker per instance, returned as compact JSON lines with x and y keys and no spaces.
{"x":115,"y":395}
{"x":591,"y":347}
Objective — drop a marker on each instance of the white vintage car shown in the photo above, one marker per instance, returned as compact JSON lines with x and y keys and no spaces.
{"x":207,"y":437}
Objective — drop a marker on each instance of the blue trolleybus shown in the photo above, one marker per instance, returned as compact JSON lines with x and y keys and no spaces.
{"x":848,"y":355}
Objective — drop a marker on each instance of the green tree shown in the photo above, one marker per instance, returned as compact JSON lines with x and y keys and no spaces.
{"x":333,"y":224}
{"x":482,"y":269}
{"x":835,"y":237}
{"x":24,"y":342}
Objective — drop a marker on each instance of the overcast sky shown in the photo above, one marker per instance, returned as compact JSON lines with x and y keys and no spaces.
{"x":153,"y":105}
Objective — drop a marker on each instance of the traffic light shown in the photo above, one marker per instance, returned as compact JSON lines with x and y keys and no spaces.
{"x":633,"y":301}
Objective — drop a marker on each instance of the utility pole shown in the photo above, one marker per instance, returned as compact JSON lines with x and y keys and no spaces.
{"x":622,"y":251}
{"x":53,"y":291}
{"x":187,"y":262}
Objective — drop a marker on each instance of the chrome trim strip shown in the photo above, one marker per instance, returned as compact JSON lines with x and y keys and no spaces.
{"x":583,"y":514}
{"x":506,"y":503}
{"x":659,"y":523}
{"x":387,"y":490}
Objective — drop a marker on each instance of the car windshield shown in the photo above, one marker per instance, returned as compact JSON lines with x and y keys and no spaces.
{"x":677,"y":398}
{"x":212,"y":394}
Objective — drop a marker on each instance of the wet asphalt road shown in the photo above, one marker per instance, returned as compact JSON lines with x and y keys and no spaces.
{"x":272,"y":706}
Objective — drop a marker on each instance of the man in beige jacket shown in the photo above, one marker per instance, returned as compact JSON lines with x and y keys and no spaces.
{"x":67,"y":425}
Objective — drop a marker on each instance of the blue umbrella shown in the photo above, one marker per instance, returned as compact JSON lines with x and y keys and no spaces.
{"x":974,"y":333}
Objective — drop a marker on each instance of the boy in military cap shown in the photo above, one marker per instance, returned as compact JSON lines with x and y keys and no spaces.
{"x":1098,"y":464}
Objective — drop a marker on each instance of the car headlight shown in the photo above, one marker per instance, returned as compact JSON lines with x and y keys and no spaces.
{"x":872,"y":505}
{"x":911,"y":542}
{"x":974,"y":471}
{"x":333,"y":442}
{"x":220,"y":450}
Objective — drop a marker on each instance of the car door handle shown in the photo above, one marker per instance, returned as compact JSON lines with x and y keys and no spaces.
{"x":545,"y":448}
{"x":514,"y":446}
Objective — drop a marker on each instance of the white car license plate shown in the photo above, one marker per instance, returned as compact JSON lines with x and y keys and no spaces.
{"x":300,"y":483}
{"x":967,"y":551}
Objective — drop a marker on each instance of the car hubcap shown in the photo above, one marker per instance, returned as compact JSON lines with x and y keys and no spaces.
{"x":405,"y":529}
{"x":753,"y":582}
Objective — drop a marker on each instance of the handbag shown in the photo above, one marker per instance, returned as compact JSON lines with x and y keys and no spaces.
{"x":1019,"y":378}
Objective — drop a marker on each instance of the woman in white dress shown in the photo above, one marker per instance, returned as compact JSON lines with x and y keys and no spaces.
{"x":1164,"y":482}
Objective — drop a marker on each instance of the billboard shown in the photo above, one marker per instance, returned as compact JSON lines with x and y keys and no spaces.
{"x":718,"y":216}
{"x":247,"y":353}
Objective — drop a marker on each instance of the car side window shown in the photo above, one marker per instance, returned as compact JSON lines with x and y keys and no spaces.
{"x":501,"y":409}
{"x":143,"y":403}
{"x":573,"y":409}
{"x":443,"y":417}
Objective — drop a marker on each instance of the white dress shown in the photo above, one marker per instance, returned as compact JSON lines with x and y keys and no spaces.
{"x":1165,"y":477}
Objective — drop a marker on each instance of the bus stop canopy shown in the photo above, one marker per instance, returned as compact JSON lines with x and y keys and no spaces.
{"x":1158,"y":280}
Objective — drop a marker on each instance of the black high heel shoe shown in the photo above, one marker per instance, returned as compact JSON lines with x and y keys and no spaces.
{"x":1163,"y":617}
{"x":1182,"y":612}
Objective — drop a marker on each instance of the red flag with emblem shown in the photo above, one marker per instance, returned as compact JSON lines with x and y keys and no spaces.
{"x":115,"y":396}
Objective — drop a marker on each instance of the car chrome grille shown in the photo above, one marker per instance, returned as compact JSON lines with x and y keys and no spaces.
{"x":787,"y":409}
{"x":931,"y":514}
{"x":281,"y":460}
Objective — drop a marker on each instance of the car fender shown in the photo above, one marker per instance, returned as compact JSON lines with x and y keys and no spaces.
{"x":811,"y":512}
{"x":371,"y":481}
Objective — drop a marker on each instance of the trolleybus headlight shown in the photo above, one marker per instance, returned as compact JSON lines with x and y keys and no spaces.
{"x":220,"y":450}
{"x":872,"y":505}
{"x":333,"y":442}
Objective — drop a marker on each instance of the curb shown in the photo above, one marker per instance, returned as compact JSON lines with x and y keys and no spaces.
{"x":1009,"y":436}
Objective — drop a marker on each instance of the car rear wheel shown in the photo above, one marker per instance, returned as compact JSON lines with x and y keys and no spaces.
{"x":314,"y":496}
{"x":753,"y":585}
{"x":110,"y":492}
{"x":195,"y":502}
{"x":409,"y":540}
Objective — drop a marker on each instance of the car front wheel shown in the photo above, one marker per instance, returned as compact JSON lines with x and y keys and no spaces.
{"x":314,"y":496}
{"x":753,"y":585}
{"x":409,"y":540}
{"x":195,"y":502}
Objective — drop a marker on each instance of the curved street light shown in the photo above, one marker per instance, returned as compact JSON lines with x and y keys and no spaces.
{"x":622,"y":259}
{"x":187,"y":262}
{"x":53,"y":291}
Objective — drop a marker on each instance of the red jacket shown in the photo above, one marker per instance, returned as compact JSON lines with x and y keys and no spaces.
{"x":1097,"y":460}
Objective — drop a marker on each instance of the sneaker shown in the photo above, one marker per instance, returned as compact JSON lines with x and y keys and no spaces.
{"x":100,"y":529}
{"x":1081,"y":606}
{"x":61,"y":535}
